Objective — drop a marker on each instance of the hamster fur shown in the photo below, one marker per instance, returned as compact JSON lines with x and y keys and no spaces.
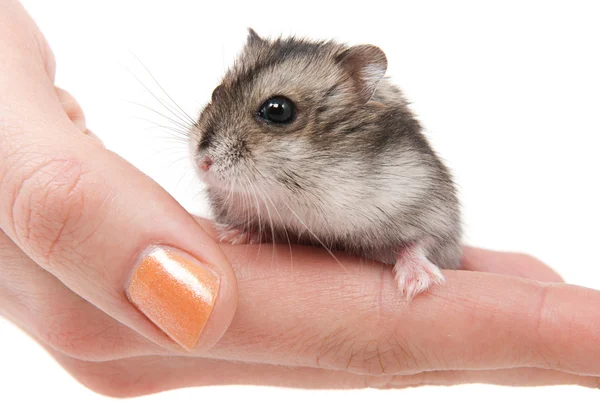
{"x":351,"y":172}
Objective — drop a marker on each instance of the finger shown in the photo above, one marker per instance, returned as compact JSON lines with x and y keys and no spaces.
{"x":355,"y":321}
{"x":145,"y":375}
{"x":142,"y":375}
{"x":316,"y":314}
{"x":108,"y":232}
{"x":513,"y":264}
{"x":42,"y":305}
{"x":317,"y":324}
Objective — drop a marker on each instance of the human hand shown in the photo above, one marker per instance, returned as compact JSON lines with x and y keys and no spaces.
{"x":86,"y":216}
{"x":302,"y":321}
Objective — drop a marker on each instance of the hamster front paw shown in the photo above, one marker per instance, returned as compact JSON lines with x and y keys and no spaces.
{"x":236,"y":236}
{"x":415,"y":273}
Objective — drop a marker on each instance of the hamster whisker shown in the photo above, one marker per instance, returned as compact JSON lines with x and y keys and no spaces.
{"x":185,"y":174}
{"x":173,"y":134}
{"x":160,"y":153}
{"x":183,"y":115}
{"x":257,"y":191}
{"x":181,"y":124}
{"x":260,"y":228}
{"x":284,"y":228}
{"x":246,"y":206}
{"x":244,"y":201}
{"x":229,"y":204}
{"x":327,"y":248}
{"x":181,"y":133}
{"x":231,"y":187}
{"x":175,"y":115}
{"x":181,"y":159}
{"x":195,"y":197}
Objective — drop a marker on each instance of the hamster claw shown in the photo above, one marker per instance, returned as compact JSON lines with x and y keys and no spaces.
{"x":415,"y":273}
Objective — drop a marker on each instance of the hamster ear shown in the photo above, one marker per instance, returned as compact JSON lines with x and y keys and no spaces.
{"x":367,"y":65}
{"x":253,"y":38}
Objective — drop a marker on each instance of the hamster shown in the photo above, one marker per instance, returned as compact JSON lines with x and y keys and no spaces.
{"x":308,"y":142}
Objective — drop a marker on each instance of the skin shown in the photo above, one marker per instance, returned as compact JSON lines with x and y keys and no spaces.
{"x":504,"y":319}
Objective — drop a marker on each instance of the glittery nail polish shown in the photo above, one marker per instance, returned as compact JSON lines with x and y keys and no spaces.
{"x":175,"y":291}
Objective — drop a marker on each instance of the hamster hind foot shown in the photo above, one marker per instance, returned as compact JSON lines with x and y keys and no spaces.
{"x":415,"y":273}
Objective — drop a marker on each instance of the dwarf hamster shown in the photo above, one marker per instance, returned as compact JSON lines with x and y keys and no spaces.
{"x":308,"y":141}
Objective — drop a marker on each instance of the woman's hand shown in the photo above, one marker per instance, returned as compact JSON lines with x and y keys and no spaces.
{"x":75,"y":219}
{"x":87,"y":218}
{"x":303,"y":321}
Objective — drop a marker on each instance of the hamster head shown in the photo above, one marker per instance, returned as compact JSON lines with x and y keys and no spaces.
{"x":285,"y":112}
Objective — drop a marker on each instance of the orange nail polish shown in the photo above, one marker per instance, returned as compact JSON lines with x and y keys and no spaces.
{"x":176,"y":292}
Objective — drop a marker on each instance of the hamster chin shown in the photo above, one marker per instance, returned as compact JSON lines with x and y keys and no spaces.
{"x":309,"y":142}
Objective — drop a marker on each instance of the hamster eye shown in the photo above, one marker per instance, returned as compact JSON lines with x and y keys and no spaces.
{"x":278,"y":110}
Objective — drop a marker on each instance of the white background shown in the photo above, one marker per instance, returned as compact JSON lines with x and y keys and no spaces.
{"x":508,"y":93}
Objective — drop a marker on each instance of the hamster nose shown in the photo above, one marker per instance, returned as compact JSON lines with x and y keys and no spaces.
{"x":205,"y":163}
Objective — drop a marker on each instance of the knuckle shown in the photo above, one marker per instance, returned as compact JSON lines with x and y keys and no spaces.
{"x":540,"y":312}
{"x":540,"y":350}
{"x":64,"y":336}
{"x":71,"y":326}
{"x":61,"y":328}
{"x":70,"y":331}
{"x":47,"y":204}
{"x":65,"y":339}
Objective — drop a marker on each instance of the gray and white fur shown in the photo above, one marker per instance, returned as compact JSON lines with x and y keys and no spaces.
{"x":353,"y":172}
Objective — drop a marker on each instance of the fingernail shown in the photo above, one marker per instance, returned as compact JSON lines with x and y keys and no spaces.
{"x":176,"y":292}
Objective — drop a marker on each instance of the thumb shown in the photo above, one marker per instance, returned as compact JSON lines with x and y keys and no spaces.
{"x":103,"y":228}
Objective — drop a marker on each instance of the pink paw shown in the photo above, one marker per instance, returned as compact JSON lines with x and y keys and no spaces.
{"x":236,"y":236}
{"x":415,"y":273}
